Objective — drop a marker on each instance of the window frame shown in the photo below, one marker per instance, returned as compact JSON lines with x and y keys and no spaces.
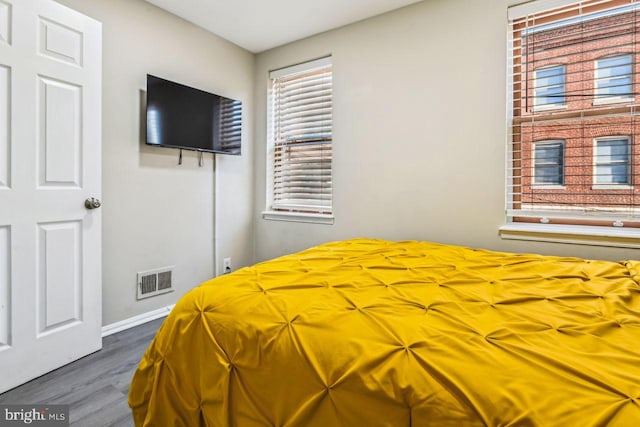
{"x":553,"y":105}
{"x":589,"y":227}
{"x":629,"y":164}
{"x":611,"y":99}
{"x":310,"y":213}
{"x":534,"y":165}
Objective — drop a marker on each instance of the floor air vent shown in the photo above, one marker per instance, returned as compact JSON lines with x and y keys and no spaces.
{"x":155,"y":282}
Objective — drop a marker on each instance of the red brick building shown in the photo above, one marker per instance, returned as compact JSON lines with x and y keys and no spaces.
{"x":575,"y":127}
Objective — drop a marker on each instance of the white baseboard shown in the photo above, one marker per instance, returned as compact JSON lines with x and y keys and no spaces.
{"x":135,"y":321}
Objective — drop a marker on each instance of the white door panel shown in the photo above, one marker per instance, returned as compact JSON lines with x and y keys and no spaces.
{"x":5,"y":130}
{"x":5,"y":294}
{"x":59,"y":296}
{"x":50,"y":143}
{"x":5,"y":22}
{"x":59,"y":42}
{"x":60,"y":134}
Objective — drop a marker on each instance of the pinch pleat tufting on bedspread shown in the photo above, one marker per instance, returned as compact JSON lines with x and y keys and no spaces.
{"x":377,"y":333}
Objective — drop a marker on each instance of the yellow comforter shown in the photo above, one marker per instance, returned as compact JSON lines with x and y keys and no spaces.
{"x":376,"y":333}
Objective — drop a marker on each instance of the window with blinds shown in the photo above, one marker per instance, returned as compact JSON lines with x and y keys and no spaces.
{"x":574,"y":132}
{"x":301,"y":137}
{"x":230,"y":124}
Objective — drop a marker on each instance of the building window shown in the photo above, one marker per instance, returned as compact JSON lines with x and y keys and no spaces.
{"x":612,"y":160}
{"x":614,"y":79}
{"x":549,"y":85}
{"x":549,"y":163}
{"x":573,"y":166}
{"x":301,"y":139}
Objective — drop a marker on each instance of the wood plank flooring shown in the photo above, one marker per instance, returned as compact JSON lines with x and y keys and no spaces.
{"x":95,"y":386}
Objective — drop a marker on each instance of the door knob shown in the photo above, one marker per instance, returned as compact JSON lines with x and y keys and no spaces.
{"x":92,"y":203}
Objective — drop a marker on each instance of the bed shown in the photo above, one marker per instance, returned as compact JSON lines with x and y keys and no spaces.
{"x":377,"y":333}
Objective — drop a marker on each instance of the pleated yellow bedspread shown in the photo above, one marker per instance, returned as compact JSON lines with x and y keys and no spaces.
{"x":377,"y":333}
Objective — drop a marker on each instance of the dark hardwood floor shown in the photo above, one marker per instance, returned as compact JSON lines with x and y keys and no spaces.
{"x":95,"y":386}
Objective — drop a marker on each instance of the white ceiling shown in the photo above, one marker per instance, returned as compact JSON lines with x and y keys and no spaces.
{"x":258,"y":25}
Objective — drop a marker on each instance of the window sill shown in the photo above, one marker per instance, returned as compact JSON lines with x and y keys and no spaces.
{"x":612,"y":100}
{"x":611,"y":187}
{"x":298,"y":217}
{"x":618,"y":237}
{"x":548,"y":187}
{"x":549,"y":107}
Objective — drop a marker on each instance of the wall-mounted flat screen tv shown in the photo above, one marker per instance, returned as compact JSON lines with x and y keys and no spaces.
{"x":184,"y":117}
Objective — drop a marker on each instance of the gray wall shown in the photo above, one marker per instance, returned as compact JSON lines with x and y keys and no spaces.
{"x":156,"y":213}
{"x":419,"y":131}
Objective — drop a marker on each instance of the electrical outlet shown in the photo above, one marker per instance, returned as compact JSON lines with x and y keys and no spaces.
{"x":226,"y":265}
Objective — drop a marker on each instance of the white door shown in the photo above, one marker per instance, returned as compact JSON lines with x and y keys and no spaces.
{"x":50,"y":142}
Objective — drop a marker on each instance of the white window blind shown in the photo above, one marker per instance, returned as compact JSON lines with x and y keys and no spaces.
{"x":579,"y":61}
{"x":230,"y":125}
{"x":302,"y":137}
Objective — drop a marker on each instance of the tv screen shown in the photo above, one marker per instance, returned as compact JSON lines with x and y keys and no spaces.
{"x":180,"y":116}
